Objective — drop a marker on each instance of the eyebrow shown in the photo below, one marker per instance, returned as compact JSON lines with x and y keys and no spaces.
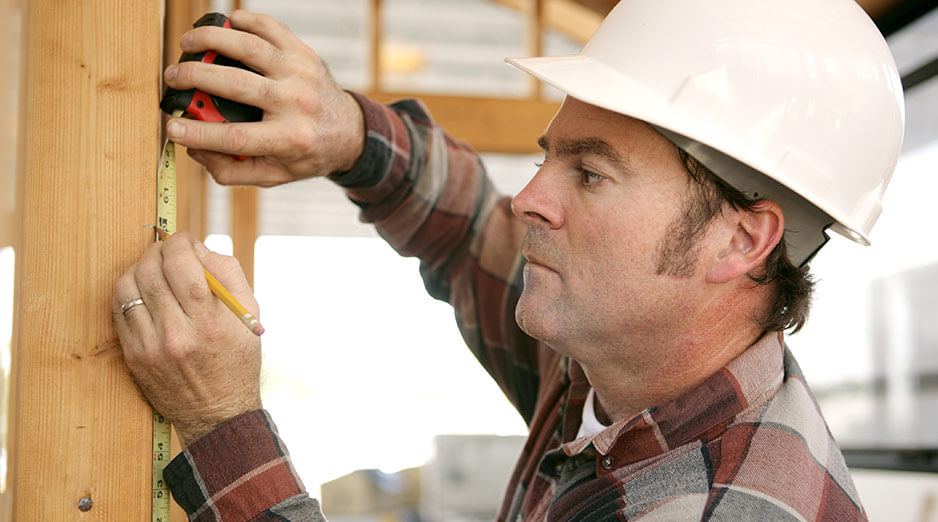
{"x":581,"y":146}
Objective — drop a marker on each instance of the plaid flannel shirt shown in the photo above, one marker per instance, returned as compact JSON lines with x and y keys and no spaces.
{"x":748,"y":444}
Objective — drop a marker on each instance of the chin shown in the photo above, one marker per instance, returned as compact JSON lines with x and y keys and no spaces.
{"x":533,"y":321}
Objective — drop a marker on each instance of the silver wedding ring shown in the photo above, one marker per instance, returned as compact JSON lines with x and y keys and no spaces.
{"x":130,"y":304}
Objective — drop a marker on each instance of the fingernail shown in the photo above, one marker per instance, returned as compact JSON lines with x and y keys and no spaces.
{"x":175,"y":130}
{"x":200,"y":248}
{"x":170,"y":73}
{"x":185,"y":40}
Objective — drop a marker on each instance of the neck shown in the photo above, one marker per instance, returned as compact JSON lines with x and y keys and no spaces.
{"x":656,"y":369}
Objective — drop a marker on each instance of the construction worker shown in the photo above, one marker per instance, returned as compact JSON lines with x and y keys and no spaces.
{"x":630,"y":301}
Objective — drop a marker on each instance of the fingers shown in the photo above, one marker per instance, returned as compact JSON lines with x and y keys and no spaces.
{"x":185,"y":275}
{"x":249,"y":139}
{"x":249,"y":49}
{"x":134,"y":325}
{"x":227,"y":170}
{"x":228,"y":82}
{"x":266,"y":27}
{"x":155,"y":290}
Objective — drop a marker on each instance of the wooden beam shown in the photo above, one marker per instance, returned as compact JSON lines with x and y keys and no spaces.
{"x":501,"y":125}
{"x":244,"y":216}
{"x":83,"y":430}
{"x":876,"y":8}
{"x":11,"y":88}
{"x":11,"y":128}
{"x":192,"y":190}
{"x":575,"y":21}
{"x":375,"y":39}
{"x":534,"y":36}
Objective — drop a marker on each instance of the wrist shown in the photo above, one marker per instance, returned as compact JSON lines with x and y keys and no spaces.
{"x":189,"y":430}
{"x":355,"y":138}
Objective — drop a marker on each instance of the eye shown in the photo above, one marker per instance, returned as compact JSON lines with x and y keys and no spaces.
{"x":588,"y":178}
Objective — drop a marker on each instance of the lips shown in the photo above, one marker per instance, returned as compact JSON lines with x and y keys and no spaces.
{"x":535,"y":259}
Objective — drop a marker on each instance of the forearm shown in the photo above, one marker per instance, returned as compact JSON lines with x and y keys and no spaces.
{"x":428,"y":196}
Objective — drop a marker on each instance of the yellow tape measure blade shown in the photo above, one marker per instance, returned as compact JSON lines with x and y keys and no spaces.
{"x":161,"y":455}
{"x":162,"y":430}
{"x":166,"y":189}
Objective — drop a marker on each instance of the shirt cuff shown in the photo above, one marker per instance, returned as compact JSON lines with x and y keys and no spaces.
{"x":378,"y":153}
{"x":234,"y":472}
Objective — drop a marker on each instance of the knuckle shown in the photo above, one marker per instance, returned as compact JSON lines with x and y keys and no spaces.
{"x":196,"y":291}
{"x":125,"y":286}
{"x":230,"y":265}
{"x":174,"y":263}
{"x":270,"y":91}
{"x":187,"y":73}
{"x":301,"y":141}
{"x":236,"y":137}
{"x":147,"y":276}
{"x":222,"y":177}
{"x":254,"y":46}
{"x":176,"y":345}
{"x":267,"y":21}
{"x":307,"y":101}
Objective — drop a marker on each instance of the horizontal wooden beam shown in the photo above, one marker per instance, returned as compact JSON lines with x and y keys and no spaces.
{"x":500,"y":125}
{"x":576,"y":21}
{"x":876,"y":8}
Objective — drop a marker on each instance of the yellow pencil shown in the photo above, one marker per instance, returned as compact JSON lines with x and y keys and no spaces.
{"x":225,"y":296}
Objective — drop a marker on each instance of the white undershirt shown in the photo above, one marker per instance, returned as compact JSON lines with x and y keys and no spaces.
{"x":590,"y":425}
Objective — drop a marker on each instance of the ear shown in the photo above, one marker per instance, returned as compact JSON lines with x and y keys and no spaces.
{"x":755,"y":234}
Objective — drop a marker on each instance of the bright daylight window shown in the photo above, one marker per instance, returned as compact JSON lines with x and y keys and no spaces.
{"x":361,"y":367}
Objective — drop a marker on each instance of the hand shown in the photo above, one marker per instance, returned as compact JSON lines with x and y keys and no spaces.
{"x":311,"y":127}
{"x":190,"y":356}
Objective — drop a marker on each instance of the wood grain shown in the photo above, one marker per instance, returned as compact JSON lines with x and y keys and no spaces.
{"x":91,"y":148}
{"x":191,"y":189}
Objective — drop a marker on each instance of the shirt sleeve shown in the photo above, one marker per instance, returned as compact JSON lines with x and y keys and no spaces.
{"x":429,"y":196}
{"x":240,"y":471}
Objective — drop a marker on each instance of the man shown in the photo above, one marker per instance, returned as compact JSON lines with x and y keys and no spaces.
{"x":630,"y":301}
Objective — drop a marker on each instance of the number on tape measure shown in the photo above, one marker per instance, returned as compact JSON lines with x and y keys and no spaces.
{"x":162,"y":431}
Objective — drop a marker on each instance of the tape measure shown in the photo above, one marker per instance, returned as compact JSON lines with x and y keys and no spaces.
{"x":162,"y":430}
{"x":205,"y":107}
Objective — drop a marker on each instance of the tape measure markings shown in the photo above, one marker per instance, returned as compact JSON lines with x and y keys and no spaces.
{"x":162,"y":430}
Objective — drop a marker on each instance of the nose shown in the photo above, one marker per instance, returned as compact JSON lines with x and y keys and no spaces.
{"x":538,"y":203}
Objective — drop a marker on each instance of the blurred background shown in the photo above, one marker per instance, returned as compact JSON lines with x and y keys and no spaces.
{"x":385,"y":412}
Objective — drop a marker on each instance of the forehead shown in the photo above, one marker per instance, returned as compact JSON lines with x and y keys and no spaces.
{"x":579,"y":127}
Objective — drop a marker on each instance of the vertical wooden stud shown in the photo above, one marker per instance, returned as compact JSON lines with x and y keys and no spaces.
{"x":376,"y":36}
{"x":192,"y":191}
{"x":534,"y":36}
{"x":244,"y":217}
{"x":83,"y":430}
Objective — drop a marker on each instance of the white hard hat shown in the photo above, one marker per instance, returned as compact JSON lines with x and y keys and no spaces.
{"x":805,"y":92}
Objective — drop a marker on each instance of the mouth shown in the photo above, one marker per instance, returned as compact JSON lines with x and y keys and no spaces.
{"x":535,"y":260}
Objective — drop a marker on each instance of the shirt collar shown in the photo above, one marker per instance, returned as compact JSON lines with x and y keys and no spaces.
{"x":705,"y":411}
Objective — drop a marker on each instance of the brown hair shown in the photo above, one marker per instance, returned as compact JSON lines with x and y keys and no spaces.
{"x":792,"y":285}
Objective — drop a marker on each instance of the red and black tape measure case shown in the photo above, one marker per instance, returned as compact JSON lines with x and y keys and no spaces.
{"x":208,"y":107}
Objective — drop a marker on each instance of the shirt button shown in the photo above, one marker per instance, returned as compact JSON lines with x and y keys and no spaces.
{"x":607,"y":462}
